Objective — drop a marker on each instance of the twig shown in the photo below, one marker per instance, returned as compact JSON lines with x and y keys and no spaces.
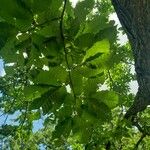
{"x":139,"y":141}
{"x":136,"y":124}
{"x":111,"y":80}
{"x":64,"y":47}
{"x":21,"y":126}
{"x":111,"y":87}
{"x":141,"y":130}
{"x":25,"y":116}
{"x":108,"y":145}
{"x":35,"y":25}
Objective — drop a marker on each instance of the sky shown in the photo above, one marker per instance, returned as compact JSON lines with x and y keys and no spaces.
{"x":2,"y":72}
{"x":74,"y":2}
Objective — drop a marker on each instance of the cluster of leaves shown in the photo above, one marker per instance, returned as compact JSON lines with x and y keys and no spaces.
{"x":56,"y":58}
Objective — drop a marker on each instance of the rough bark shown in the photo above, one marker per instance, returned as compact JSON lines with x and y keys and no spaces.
{"x":134,"y":16}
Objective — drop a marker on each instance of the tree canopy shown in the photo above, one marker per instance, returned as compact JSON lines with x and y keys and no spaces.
{"x":64,"y":67}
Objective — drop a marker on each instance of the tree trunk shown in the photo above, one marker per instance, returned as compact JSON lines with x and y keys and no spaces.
{"x":134,"y":16}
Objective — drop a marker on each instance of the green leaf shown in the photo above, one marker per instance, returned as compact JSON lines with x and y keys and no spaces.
{"x":34,"y":116}
{"x":109,"y":33}
{"x":8,"y":52}
{"x":66,"y":110}
{"x":33,"y":27}
{"x":38,"y":6}
{"x":58,"y":97}
{"x":46,"y":11}
{"x":55,"y":76}
{"x":98,"y":23}
{"x":84,"y":40}
{"x":7,"y":130}
{"x":110,"y":98}
{"x":84,"y":135}
{"x":77,"y":82}
{"x":91,"y":85}
{"x":82,"y":126}
{"x":34,"y":91}
{"x":44,"y":101}
{"x":69,"y":10}
{"x":82,"y":9}
{"x":16,"y":14}
{"x":90,"y":73}
{"x":101,"y":62}
{"x":51,"y":30}
{"x":96,"y":50}
{"x":52,"y":99}
{"x":63,"y":128}
{"x":9,"y":70}
{"x":22,"y":37}
{"x":100,"y":110}
{"x":7,"y":30}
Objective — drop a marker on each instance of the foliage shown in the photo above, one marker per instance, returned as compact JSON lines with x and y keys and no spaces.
{"x":57,"y":58}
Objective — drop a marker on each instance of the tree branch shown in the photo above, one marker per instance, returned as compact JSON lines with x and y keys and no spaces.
{"x":139,"y":141}
{"x":64,"y":47}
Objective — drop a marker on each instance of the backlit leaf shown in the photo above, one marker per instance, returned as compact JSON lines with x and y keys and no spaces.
{"x":97,"y":49}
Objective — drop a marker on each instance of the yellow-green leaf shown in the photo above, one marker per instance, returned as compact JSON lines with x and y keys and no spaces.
{"x":96,"y":50}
